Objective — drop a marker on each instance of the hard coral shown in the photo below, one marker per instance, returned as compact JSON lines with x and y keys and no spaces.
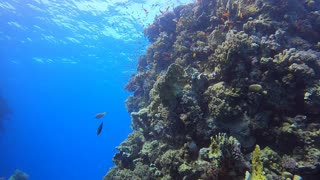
{"x":239,"y":71}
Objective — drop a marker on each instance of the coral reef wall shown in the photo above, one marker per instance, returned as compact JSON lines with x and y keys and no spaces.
{"x":228,"y":89}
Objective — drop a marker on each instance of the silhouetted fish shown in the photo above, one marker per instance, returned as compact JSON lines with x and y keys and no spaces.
{"x":99,"y":128}
{"x":100,"y":115}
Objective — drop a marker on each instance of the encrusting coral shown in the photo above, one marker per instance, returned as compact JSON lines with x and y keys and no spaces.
{"x":220,"y":77}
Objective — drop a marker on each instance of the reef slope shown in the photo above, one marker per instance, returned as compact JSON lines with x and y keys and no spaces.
{"x":228,"y":89}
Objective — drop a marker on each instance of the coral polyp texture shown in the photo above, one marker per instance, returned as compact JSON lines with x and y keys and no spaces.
{"x":228,"y":89}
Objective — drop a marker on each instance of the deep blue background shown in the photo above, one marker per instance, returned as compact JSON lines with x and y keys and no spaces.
{"x":52,"y":132}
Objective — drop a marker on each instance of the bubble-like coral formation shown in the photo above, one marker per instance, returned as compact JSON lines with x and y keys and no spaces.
{"x":219,"y":78}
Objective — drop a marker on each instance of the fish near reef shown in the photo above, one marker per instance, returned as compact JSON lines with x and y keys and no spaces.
{"x":100,"y":115}
{"x":99,"y":128}
{"x":226,"y":14}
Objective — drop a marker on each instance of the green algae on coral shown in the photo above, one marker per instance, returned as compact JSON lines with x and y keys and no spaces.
{"x":257,"y":166}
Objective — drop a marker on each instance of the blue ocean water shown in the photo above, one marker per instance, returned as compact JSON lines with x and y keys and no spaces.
{"x":60,"y":64}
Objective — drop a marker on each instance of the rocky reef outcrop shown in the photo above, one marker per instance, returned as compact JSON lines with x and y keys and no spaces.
{"x":228,"y":89}
{"x":18,"y":175}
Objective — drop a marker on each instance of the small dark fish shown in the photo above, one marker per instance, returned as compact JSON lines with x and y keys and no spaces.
{"x":100,"y":115}
{"x":99,"y":128}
